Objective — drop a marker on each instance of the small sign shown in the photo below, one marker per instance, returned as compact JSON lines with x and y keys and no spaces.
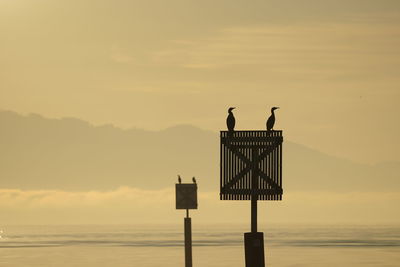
{"x":186,"y":196}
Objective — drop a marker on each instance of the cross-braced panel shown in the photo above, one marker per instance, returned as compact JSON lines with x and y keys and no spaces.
{"x":251,"y":164}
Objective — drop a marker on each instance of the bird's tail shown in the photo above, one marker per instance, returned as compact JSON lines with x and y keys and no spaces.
{"x":230,"y":133}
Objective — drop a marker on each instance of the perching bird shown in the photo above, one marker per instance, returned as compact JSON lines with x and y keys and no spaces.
{"x":194,"y":180}
{"x":179,"y":179}
{"x":271,"y":119}
{"x":230,"y":122}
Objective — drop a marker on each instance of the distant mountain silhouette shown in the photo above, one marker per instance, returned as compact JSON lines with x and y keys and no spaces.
{"x":71,"y":154}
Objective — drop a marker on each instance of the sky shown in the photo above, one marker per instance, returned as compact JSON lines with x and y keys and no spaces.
{"x":332,"y":66}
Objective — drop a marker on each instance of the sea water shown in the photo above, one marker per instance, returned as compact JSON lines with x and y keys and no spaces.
{"x":213,"y":245}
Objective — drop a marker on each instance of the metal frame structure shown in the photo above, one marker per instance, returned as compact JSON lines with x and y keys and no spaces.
{"x":251,"y":169}
{"x":251,"y":165}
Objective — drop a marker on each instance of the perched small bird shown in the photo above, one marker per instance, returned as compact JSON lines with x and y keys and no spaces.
{"x":194,"y":180}
{"x":179,"y":179}
{"x":271,"y":119}
{"x":230,"y":122}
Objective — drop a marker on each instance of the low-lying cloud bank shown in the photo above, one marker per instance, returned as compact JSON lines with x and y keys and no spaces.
{"x":132,"y":205}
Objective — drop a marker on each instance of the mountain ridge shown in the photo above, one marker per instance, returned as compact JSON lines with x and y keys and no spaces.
{"x":72,"y":154}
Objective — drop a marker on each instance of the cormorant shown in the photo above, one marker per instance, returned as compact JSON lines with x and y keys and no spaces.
{"x":194,"y":180}
{"x":179,"y":179}
{"x":230,"y":122}
{"x":271,"y":119}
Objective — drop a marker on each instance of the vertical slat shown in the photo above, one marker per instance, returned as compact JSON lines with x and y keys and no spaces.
{"x":240,"y":168}
{"x":224,"y":166}
{"x":244,"y":180}
{"x":231,"y":175}
{"x":220,"y":167}
{"x":266,"y":166}
{"x":228,"y":171}
{"x":237,"y":162}
{"x":250,"y":173}
{"x":277,"y":166}
{"x":259,"y":150}
{"x":247,"y":179}
{"x":244,"y":165}
{"x":246,"y":176}
{"x":226,"y":155}
{"x":265,"y":163}
{"x":260,"y":165}
{"x":258,"y":161}
{"x":274,"y":171}
{"x":270,"y":166}
{"x":274,"y":152}
{"x":221,"y":164}
{"x":231,"y":162}
{"x":280,"y":167}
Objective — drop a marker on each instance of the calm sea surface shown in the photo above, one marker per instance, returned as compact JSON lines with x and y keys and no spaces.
{"x":214,"y":245}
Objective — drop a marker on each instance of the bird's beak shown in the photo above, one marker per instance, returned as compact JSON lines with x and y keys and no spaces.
{"x":233,"y":108}
{"x":277,"y":107}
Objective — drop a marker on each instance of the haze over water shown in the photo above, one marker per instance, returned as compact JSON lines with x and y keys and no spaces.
{"x":214,"y":245}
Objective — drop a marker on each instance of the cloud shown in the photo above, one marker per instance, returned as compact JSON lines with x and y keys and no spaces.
{"x":325,"y":49}
{"x":119,"y":55}
{"x":56,"y":198}
{"x":133,"y":205}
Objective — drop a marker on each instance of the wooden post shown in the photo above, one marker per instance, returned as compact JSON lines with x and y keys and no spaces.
{"x":186,"y":198}
{"x":254,"y":249}
{"x":188,"y":240}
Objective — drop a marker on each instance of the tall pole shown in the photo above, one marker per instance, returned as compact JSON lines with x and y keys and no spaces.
{"x":186,"y":198}
{"x":188,"y":240}
{"x":254,"y":241}
{"x":254,"y":213}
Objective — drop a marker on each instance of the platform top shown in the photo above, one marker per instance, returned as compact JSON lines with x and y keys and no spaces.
{"x":278,"y":132}
{"x":256,"y":135}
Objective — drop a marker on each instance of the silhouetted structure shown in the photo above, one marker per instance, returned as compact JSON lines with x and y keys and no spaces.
{"x":251,"y":169}
{"x":179,"y":179}
{"x":230,"y":121}
{"x":271,"y":119}
{"x":186,"y":198}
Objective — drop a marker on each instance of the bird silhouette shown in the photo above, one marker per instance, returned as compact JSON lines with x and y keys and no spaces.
{"x":230,"y":122}
{"x":179,"y":179}
{"x":194,"y":180}
{"x":271,"y":120}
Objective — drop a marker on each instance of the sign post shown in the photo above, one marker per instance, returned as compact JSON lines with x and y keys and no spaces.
{"x":186,"y":198}
{"x":251,"y":169}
